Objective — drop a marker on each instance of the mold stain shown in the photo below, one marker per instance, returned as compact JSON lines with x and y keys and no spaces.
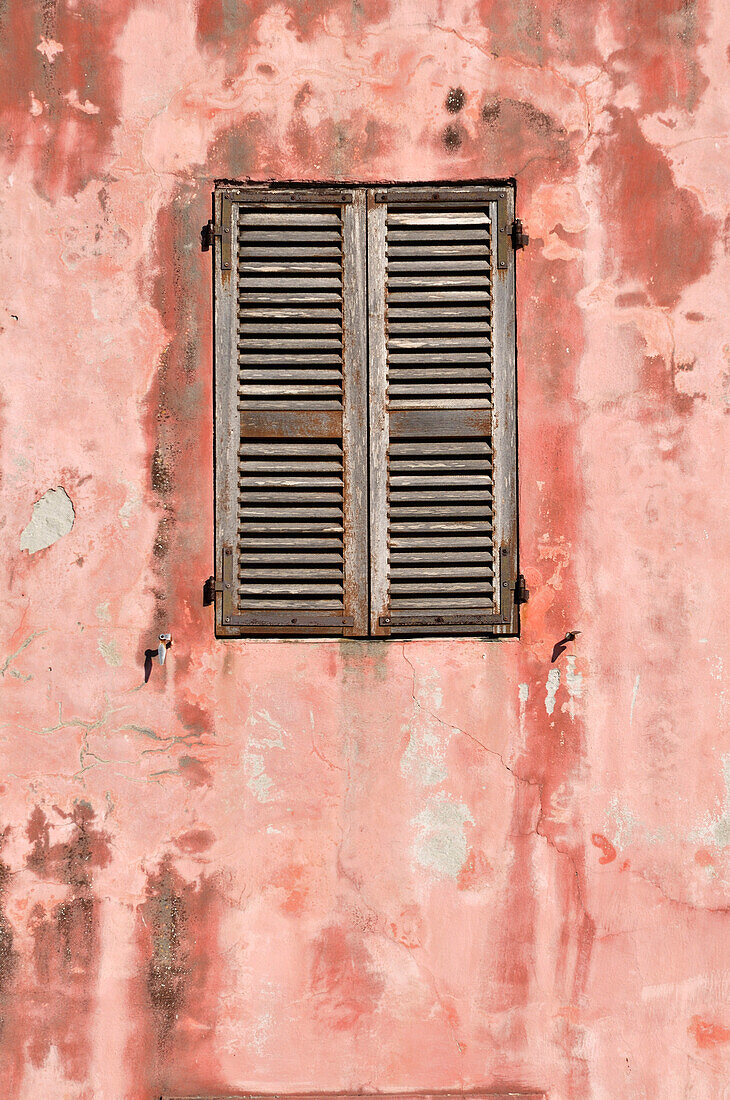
{"x":60,"y":984}
{"x":178,"y":982}
{"x":8,"y":953}
{"x":224,"y":25}
{"x":452,"y":138}
{"x":455,"y":101}
{"x":521,"y":139}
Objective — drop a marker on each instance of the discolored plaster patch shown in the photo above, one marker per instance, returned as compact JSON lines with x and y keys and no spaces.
{"x":551,"y":689}
{"x":658,"y":234}
{"x":345,"y":986}
{"x":110,"y":652}
{"x":53,"y":517}
{"x":441,"y":844}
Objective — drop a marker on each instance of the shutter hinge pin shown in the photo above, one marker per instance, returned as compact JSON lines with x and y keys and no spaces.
{"x":210,"y":588}
{"x":522,"y":593}
{"x":209,"y":232}
{"x":520,"y":239}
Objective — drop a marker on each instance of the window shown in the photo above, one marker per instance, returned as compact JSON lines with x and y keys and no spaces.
{"x":365,"y":434}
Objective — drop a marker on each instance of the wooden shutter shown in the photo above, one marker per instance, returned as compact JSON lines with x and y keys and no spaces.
{"x":442,"y":411}
{"x":291,"y":419}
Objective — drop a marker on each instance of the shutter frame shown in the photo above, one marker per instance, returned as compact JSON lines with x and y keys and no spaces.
{"x":503,"y":617}
{"x":258,"y":419}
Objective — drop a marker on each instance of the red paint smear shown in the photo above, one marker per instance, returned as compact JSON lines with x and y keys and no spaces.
{"x":707,"y":1034}
{"x":547,"y":811}
{"x":605,"y":845}
{"x":657,"y":233}
{"x":344,"y":986}
{"x":476,"y":873}
{"x":66,"y":146}
{"x":178,"y":985}
{"x":179,"y":427}
{"x":195,"y":840}
{"x":295,"y":892}
{"x":659,"y":57}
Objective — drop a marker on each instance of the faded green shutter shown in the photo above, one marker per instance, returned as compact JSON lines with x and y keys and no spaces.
{"x":291,"y":419}
{"x":442,"y":411}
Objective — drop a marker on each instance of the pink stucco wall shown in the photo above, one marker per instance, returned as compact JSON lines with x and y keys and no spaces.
{"x":361,"y":865}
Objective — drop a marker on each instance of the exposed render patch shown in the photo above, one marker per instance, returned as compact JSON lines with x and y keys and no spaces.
{"x":553,"y":683}
{"x":53,"y":517}
{"x":441,"y":841}
{"x":110,"y":653}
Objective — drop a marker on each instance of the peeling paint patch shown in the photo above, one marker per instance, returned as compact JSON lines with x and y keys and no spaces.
{"x":633,"y":699}
{"x":719,"y":829}
{"x":553,"y":683}
{"x":424,"y":759}
{"x":53,"y":517}
{"x":573,"y":684}
{"x":88,"y":108}
{"x":110,"y":653}
{"x":441,"y":842}
{"x":259,"y":783}
{"x":49,"y":48}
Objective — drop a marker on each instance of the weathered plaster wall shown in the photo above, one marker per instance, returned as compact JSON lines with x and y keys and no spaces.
{"x":364,"y":865}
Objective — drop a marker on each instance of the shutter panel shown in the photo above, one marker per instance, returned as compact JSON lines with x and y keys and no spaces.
{"x":291,"y":424}
{"x":442,"y":411}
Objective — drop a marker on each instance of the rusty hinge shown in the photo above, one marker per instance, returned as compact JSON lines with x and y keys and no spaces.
{"x":209,"y":590}
{"x":520,"y":239}
{"x":522,"y":593}
{"x":209,"y":232}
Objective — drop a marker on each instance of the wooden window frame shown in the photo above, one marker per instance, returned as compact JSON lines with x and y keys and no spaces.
{"x":364,"y":412}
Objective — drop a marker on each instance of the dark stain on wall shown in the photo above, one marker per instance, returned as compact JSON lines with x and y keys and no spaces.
{"x":455,"y":100}
{"x":179,"y":981}
{"x":452,"y":137}
{"x":75,"y":89}
{"x":224,"y":25}
{"x":8,"y":954}
{"x":530,"y":143}
{"x":59,"y":988}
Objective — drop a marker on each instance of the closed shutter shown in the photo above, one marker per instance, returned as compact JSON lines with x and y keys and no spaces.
{"x":442,"y":411}
{"x":291,"y":419}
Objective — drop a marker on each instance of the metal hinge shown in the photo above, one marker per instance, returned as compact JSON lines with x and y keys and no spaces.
{"x":210,"y":588}
{"x":520,"y":239}
{"x":522,"y":592}
{"x":209,"y":232}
